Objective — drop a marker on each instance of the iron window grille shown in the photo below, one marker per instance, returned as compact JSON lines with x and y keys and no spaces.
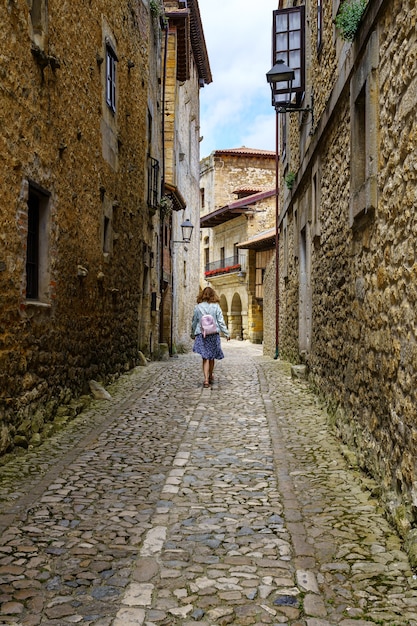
{"x":153,"y":182}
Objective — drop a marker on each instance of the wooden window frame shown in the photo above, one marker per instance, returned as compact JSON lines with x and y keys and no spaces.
{"x":286,"y":24}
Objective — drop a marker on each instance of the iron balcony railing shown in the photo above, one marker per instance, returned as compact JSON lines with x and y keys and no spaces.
{"x":235,"y":263}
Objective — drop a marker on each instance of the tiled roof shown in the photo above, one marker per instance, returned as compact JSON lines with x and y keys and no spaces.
{"x":251,"y":190}
{"x":244,"y":151}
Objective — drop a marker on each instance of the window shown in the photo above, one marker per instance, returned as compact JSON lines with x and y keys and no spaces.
{"x":37,"y":279}
{"x":111,"y":60}
{"x":222,"y":257}
{"x":32,"y":253}
{"x":364,"y":134}
{"x":285,"y":245}
{"x":263,"y":258}
{"x":319,"y":25}
{"x":153,"y":182}
{"x":315,"y":201}
{"x":107,"y":235}
{"x":235,"y":253}
{"x":202,"y":198}
{"x":150,"y":128}
{"x":206,"y":259}
{"x":288,"y":45}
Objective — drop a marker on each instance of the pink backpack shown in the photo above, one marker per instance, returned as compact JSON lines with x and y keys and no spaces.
{"x":208,"y":325}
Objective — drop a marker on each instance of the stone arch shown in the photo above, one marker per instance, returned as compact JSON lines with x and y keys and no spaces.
{"x":223,"y":306}
{"x":235,"y":318}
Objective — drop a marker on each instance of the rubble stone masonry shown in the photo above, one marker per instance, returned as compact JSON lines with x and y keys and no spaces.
{"x":84,"y":167}
{"x":359,"y":239}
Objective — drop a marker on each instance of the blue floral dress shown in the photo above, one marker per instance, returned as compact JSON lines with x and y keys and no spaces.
{"x":209,"y":347}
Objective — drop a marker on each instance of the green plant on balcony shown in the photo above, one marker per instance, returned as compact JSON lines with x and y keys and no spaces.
{"x":349,"y":17}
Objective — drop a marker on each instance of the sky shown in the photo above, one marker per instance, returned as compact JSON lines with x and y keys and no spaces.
{"x":235,"y":109}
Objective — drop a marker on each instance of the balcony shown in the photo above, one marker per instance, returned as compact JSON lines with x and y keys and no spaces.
{"x":229,"y":265}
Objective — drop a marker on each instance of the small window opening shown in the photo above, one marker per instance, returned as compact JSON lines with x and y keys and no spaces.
{"x":111,"y":78}
{"x":37,"y":281}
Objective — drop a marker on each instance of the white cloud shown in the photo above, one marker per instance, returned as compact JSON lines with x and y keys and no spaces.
{"x":236,"y":108}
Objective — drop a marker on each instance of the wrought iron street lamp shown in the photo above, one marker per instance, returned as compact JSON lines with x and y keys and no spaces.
{"x":280,"y":78}
{"x":186,"y":230}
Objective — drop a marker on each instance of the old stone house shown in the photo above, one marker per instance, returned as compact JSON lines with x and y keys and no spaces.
{"x":84,"y":234}
{"x":237,"y":225}
{"x":347,"y":260}
{"x":188,"y":70}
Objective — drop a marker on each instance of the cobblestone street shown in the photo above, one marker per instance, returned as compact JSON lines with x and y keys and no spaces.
{"x":176,"y":505}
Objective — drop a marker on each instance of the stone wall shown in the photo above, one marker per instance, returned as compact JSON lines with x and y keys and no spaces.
{"x":269,"y":310}
{"x":362,"y":356}
{"x":86,"y":167}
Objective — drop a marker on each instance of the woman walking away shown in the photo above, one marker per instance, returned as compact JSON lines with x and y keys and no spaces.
{"x":208,"y":345}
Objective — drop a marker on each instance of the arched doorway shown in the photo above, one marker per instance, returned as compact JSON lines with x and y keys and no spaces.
{"x":223,"y":306}
{"x":235,"y":320}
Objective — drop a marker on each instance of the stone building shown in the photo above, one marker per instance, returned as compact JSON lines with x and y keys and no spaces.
{"x":188,"y":70}
{"x":237,"y":189}
{"x":348,"y":265}
{"x":83,"y":228}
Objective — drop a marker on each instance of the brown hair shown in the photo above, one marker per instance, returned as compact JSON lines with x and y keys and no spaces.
{"x":208,"y":295}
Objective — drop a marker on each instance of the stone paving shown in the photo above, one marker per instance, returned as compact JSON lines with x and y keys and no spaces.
{"x":177,"y":505}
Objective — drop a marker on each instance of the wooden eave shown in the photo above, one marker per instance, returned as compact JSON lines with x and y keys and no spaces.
{"x":235,"y":209}
{"x":198,"y":44}
{"x":262,"y":241}
{"x":172,"y":191}
{"x":180,"y":20}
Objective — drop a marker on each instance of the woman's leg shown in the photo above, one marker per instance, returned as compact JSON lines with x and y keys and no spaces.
{"x":206,"y":368}
{"x":211,"y":368}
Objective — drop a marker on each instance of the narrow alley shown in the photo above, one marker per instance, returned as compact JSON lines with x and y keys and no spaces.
{"x":176,"y":505}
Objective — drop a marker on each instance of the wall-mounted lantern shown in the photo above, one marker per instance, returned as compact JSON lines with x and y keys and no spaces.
{"x":186,"y":230}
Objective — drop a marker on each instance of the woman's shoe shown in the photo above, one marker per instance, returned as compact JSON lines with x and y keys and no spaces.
{"x":211,"y":380}
{"x":206,"y":384}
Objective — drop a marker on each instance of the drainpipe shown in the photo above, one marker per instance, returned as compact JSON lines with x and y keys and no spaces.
{"x":276,"y":237}
{"x":161,"y":216}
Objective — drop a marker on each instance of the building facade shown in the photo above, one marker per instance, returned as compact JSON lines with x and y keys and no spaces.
{"x":237,"y":221}
{"x":347,"y":262}
{"x":82,"y":249}
{"x":188,"y":70}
